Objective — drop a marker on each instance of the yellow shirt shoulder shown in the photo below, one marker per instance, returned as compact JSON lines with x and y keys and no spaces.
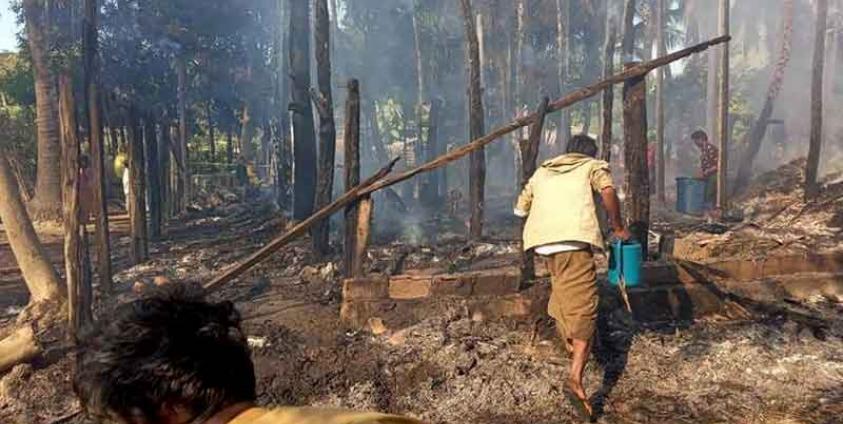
{"x":316,"y":416}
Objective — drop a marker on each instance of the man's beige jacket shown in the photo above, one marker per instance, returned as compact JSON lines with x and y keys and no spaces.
{"x":558,"y":201}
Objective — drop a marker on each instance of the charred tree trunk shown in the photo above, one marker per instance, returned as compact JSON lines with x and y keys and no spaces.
{"x":477,"y":169}
{"x":352,"y":174}
{"x":608,"y":96}
{"x":755,"y":137}
{"x":636,"y":180}
{"x":72,"y":211}
{"x":46,"y":203}
{"x":139,"y":251}
{"x":165,"y":172}
{"x":183,"y":189}
{"x":154,"y":178}
{"x":97,"y":148}
{"x":303,"y":132}
{"x":563,"y":52}
{"x":247,"y":133}
{"x":812,"y":187}
{"x":430,"y":192}
{"x":628,"y":43}
{"x":529,"y":155}
{"x":229,"y":147}
{"x":661,"y":48}
{"x":327,"y":131}
{"x":723,"y":121}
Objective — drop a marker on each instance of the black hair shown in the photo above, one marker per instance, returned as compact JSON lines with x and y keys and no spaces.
{"x":83,"y":161}
{"x":699,"y":135}
{"x":583,"y":145}
{"x":172,"y":349}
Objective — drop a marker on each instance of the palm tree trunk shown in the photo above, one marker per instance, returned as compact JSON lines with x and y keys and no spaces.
{"x":46,"y":203}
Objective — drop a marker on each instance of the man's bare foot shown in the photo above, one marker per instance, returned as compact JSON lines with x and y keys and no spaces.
{"x":577,"y":390}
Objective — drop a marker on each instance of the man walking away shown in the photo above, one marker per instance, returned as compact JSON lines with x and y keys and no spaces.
{"x":562,"y":226}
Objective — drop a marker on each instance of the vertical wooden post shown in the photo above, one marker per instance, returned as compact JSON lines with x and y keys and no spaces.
{"x":212,"y":142}
{"x":563,"y":52}
{"x":364,"y":220}
{"x":352,"y":172}
{"x":661,"y":48}
{"x":137,"y":188}
{"x":183,"y":186}
{"x":70,"y":205}
{"x":529,"y":155}
{"x":628,"y":43}
{"x":477,"y":167}
{"x":97,"y":148}
{"x":636,"y":181}
{"x":608,"y":95}
{"x":327,"y":130}
{"x":812,"y":188}
{"x":723,"y":162}
{"x":153,"y":168}
{"x":165,"y":171}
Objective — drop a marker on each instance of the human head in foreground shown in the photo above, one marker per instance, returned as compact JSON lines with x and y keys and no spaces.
{"x":173,"y":358}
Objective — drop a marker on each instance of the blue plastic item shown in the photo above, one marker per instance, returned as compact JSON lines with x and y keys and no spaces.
{"x":690,"y":196}
{"x":626,"y":261}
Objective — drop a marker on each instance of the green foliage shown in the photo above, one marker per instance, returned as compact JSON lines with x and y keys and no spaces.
{"x":17,"y":139}
{"x":16,"y":81}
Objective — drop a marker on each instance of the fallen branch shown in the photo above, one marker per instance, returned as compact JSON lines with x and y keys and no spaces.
{"x":349,"y":197}
{"x":379,"y":182}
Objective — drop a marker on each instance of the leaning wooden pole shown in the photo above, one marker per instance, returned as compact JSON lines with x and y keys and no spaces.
{"x":529,"y":155}
{"x":352,"y":173}
{"x":379,"y":180}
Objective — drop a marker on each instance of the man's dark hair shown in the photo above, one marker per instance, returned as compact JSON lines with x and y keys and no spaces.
{"x":699,"y":135}
{"x":172,"y":349}
{"x":583,"y":145}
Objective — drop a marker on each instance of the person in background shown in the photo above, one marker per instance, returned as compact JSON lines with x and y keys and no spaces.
{"x":562,"y":226}
{"x":174,"y":358}
{"x":709,"y":158}
{"x":127,"y":182}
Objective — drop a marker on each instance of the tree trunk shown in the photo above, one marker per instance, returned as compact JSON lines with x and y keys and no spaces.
{"x":229,"y":147}
{"x":166,"y":170}
{"x":41,"y":278}
{"x":529,"y":155}
{"x":563,"y":30}
{"x":327,"y":131}
{"x":608,"y":95}
{"x":723,"y":130}
{"x":430,"y":192}
{"x":812,"y":187}
{"x":97,"y":148}
{"x":137,"y":188}
{"x":477,"y":170}
{"x":363,"y":232}
{"x":283,"y":152}
{"x":628,"y":43}
{"x":303,"y":132}
{"x":46,"y":203}
{"x":72,"y":211}
{"x":661,"y":48}
{"x":755,"y":137}
{"x":183,"y":189}
{"x":637,"y":182}
{"x":351,"y":144}
{"x":247,"y":134}
{"x":154,"y":177}
{"x":212,"y":142}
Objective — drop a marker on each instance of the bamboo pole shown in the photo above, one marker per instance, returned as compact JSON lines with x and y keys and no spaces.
{"x":379,"y":180}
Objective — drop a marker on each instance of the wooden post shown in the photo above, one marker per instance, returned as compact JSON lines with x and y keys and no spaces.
{"x":636,"y":181}
{"x":812,"y":188}
{"x":628,"y":43}
{"x":723,"y":160}
{"x":661,"y":48}
{"x":97,"y":149}
{"x":563,"y":52}
{"x":529,"y":155}
{"x":212,"y":142}
{"x":183,"y":184}
{"x":154,"y":177}
{"x":608,"y":95}
{"x":70,"y":205}
{"x":137,"y":188}
{"x":364,"y":221}
{"x":352,"y":173}
{"x":477,"y":167}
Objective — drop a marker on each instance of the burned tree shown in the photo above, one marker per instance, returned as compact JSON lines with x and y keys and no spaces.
{"x":529,"y":155}
{"x":608,"y":96}
{"x":812,"y":187}
{"x":477,"y":167}
{"x":304,"y":150}
{"x":352,"y":263}
{"x":153,"y":168}
{"x":138,"y":246}
{"x":327,"y":131}
{"x":636,"y":180}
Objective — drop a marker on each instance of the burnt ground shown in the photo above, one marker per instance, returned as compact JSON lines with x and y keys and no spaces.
{"x":455,"y":368}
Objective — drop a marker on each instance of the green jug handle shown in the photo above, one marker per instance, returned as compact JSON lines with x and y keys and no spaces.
{"x":620,"y":258}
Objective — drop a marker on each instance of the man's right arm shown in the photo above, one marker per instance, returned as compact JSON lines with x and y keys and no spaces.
{"x":613,"y":207}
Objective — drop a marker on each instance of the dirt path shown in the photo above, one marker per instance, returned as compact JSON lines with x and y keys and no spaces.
{"x":451,"y":368}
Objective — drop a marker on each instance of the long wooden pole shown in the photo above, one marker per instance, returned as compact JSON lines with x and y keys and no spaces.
{"x":659,"y":167}
{"x":351,"y":144}
{"x":723,"y":162}
{"x":379,"y":180}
